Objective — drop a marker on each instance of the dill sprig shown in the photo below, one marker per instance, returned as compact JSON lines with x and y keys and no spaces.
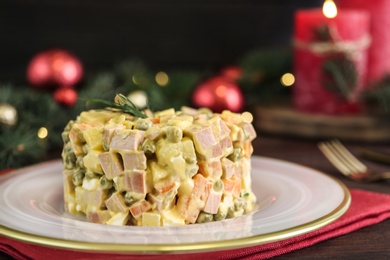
{"x":121,"y":103}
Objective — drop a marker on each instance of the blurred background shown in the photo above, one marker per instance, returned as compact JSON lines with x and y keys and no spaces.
{"x":194,"y":34}
{"x":56,"y":55}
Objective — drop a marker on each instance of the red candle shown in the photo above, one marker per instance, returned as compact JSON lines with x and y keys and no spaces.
{"x":344,"y":38}
{"x":379,"y":53}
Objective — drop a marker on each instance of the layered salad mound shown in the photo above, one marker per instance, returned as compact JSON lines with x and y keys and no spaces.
{"x":167,"y":168}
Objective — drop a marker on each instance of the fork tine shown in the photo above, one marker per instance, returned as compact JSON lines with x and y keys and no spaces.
{"x":333,"y":158}
{"x":341,"y":158}
{"x":350,"y":158}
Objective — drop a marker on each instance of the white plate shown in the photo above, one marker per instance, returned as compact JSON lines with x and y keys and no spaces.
{"x":292,"y":200}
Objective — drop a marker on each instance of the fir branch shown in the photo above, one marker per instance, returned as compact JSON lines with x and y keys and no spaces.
{"x":340,"y":75}
{"x":123,"y":104}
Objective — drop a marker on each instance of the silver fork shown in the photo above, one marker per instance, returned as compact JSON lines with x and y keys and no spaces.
{"x":348,"y":164}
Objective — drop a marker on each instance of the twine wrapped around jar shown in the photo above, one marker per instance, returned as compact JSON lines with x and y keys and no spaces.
{"x":334,"y":46}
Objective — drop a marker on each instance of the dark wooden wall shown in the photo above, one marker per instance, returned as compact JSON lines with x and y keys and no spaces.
{"x":174,"y":33}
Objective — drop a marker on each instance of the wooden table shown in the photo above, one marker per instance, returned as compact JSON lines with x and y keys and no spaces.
{"x":369,"y":243}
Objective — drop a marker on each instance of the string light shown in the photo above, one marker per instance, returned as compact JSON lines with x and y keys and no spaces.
{"x":43,"y":133}
{"x":287,"y":79}
{"x":162,"y":78}
{"x":329,"y":9}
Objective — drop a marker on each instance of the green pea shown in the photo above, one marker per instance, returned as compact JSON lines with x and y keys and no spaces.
{"x":144,"y":124}
{"x":149,"y":146}
{"x":190,"y":159}
{"x":105,"y":183}
{"x":231,"y":211}
{"x":239,"y":204}
{"x":129,"y":199}
{"x":174,"y":134}
{"x":86,"y":148}
{"x":91,"y":174}
{"x":220,"y":215}
{"x":65,"y":136}
{"x":236,"y":155}
{"x":204,"y":217}
{"x":77,"y":178}
{"x":218,"y":186}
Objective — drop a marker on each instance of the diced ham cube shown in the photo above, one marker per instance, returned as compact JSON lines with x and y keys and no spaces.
{"x":127,"y":139}
{"x":116,"y":203}
{"x":249,"y":130}
{"x":135,"y":181}
{"x":108,"y":132}
{"x":212,"y":202}
{"x":226,"y":146}
{"x":133,"y":160}
{"x":227,"y":168}
{"x":215,"y":152}
{"x":111,"y":164}
{"x":202,"y":136}
{"x":219,"y":128}
{"x":99,"y":216}
{"x":139,"y":207}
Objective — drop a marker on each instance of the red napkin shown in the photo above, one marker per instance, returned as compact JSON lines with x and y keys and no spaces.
{"x":367,"y":208}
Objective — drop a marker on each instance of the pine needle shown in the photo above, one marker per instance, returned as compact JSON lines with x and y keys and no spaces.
{"x":123,"y":104}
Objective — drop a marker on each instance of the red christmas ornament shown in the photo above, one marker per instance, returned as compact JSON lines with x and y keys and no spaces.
{"x":54,"y":68}
{"x":232,"y":72}
{"x":65,"y":96}
{"x":218,"y":94}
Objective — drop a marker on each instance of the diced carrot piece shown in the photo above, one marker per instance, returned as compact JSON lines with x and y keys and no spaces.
{"x":188,"y":207}
{"x":201,"y":188}
{"x":232,"y":186}
{"x":139,"y":207}
{"x":248,"y":149}
{"x":237,"y":187}
{"x":164,"y":185}
{"x":211,"y":168}
{"x":228,"y":185}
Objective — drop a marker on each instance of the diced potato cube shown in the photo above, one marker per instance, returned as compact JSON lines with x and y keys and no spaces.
{"x":93,"y":136}
{"x":151,"y":219}
{"x":119,"y":219}
{"x":92,"y":162}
